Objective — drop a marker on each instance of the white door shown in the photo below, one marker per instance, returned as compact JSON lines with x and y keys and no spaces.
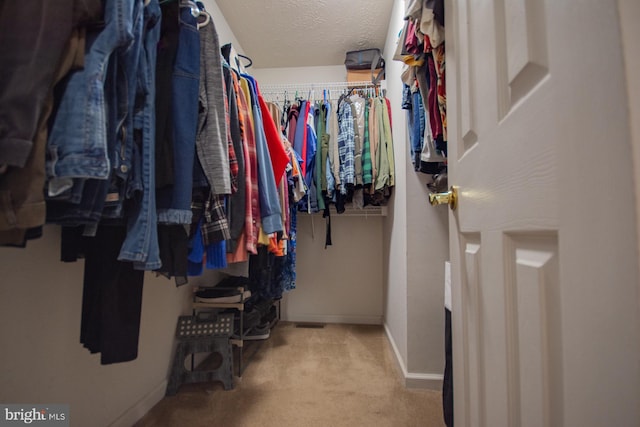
{"x":543,"y":243}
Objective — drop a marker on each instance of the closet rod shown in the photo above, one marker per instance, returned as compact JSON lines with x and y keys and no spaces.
{"x":303,"y":87}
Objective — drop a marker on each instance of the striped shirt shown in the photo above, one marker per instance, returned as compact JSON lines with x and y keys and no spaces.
{"x":252,"y":208}
{"x":367,"y":173}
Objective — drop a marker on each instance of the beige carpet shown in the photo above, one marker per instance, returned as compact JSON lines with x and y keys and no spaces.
{"x":341,"y":375}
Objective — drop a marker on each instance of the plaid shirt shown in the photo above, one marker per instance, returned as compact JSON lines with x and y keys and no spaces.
{"x":215,"y":227}
{"x":346,"y":145}
{"x":252,"y":208}
{"x":214,"y":224}
{"x":233,"y":160}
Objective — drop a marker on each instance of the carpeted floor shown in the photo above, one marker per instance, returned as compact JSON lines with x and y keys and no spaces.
{"x":340,"y":375}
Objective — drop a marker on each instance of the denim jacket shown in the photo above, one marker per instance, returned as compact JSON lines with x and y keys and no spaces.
{"x":77,"y":146}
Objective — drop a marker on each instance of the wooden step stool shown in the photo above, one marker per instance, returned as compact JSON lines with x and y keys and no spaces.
{"x":199,"y":334}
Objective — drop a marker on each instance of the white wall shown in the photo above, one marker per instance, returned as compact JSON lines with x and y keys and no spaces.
{"x":225,"y":33}
{"x":417,"y":235}
{"x":42,"y":360}
{"x":330,"y":73}
{"x":427,"y":251}
{"x":396,"y":225}
{"x":344,"y":282}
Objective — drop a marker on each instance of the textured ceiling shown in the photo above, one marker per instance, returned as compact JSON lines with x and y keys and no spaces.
{"x":300,"y":33}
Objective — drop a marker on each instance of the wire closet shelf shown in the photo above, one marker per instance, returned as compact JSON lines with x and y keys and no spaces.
{"x":327,"y":90}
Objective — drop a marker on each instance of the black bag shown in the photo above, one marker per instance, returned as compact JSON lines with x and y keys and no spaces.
{"x":366,"y":59}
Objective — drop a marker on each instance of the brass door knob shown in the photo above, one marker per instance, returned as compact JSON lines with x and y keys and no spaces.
{"x":449,"y":198}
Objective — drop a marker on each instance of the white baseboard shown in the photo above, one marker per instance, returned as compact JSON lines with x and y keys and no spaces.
{"x":424,"y":381}
{"x":144,"y":405}
{"x":332,"y":318}
{"x":412,"y":379}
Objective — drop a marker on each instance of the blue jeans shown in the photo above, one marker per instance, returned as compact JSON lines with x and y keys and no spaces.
{"x":124,"y":165}
{"x":141,"y":242}
{"x":174,"y":201}
{"x":417,"y":128}
{"x":88,"y":211}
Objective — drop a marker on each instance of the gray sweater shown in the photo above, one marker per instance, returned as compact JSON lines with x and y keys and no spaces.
{"x":211,"y":142}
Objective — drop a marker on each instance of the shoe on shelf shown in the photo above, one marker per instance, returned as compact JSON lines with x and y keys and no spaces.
{"x":217,"y":295}
{"x":257,"y":333}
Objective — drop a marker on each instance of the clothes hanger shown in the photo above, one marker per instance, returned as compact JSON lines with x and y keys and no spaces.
{"x":195,"y":10}
{"x":207,"y":19}
{"x":199,"y":6}
{"x":232,"y":57}
{"x":248,"y":59}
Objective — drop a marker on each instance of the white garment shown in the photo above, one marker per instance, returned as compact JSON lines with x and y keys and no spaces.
{"x":429,"y":152}
{"x":430,"y":27}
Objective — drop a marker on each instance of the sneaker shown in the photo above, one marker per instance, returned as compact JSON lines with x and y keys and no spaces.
{"x":212,"y":295}
{"x":257,"y":333}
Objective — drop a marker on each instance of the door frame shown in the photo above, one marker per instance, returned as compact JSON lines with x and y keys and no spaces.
{"x":629,"y":13}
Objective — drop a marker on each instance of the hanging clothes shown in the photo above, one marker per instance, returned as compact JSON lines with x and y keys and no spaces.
{"x":236,"y":203}
{"x":386,"y":115}
{"x":334,"y":150}
{"x":367,"y":170}
{"x":346,"y":147}
{"x":320,"y":122}
{"x":277,"y":154}
{"x":324,"y":150}
{"x":384,"y":172}
{"x":374,"y":140}
{"x":310,"y":156}
{"x":186,"y":168}
{"x":269,"y":207}
{"x":175,"y":185}
{"x":423,"y":50}
{"x":211,"y":141}
{"x":252,"y":210}
{"x":300,"y":137}
{"x":174,"y":198}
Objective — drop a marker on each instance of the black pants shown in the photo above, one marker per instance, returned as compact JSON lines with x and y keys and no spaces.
{"x":447,"y":385}
{"x":112,"y":298}
{"x":265,"y":274}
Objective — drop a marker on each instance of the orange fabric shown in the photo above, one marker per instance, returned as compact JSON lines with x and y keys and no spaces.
{"x":241,"y":254}
{"x":276,"y":247}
